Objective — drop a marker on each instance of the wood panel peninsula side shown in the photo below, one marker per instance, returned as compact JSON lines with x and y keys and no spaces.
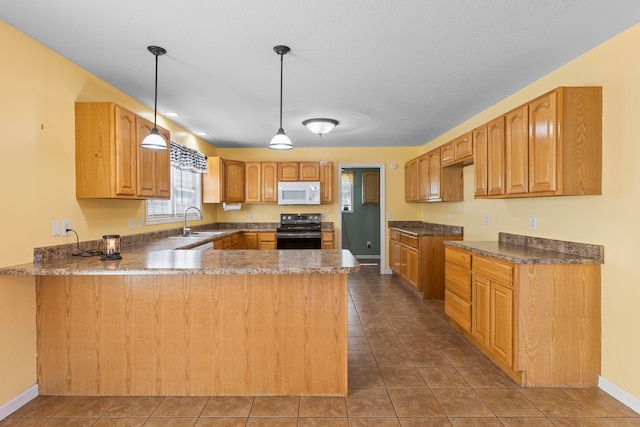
{"x":163,"y":321}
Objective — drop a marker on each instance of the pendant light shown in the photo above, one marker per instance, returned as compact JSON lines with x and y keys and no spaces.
{"x":154,"y":141}
{"x":320,"y":126}
{"x":281,"y":141}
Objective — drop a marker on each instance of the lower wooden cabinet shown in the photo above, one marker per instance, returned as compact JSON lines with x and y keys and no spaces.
{"x":327,"y":240}
{"x":540,"y":323}
{"x":267,"y":240}
{"x":419,"y":261}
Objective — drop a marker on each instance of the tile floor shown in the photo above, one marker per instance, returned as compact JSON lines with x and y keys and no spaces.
{"x":407,"y":367}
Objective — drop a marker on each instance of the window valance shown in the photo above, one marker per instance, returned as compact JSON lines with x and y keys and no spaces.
{"x":187,"y":159}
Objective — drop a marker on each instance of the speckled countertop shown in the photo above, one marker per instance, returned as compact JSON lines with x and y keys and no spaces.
{"x":519,"y":249}
{"x":426,"y":228}
{"x":166,"y":255}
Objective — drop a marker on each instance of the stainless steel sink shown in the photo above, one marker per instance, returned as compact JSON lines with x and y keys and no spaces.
{"x":198,"y":235}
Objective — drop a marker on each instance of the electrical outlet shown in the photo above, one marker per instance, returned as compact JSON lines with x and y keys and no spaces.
{"x":132,"y":223}
{"x":533,"y":222}
{"x":55,"y":227}
{"x":141,"y":222}
{"x":388,"y":215}
{"x":368,"y":244}
{"x":448,"y":217}
{"x":324,"y":215}
{"x":486,"y":220}
{"x":250,"y":215}
{"x":66,"y":225}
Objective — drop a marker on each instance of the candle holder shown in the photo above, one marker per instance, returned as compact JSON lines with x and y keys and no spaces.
{"x":111,"y":247}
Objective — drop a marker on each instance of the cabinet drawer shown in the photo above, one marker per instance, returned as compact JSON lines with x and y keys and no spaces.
{"x":457,"y":280}
{"x":267,"y":237}
{"x":458,"y":310}
{"x":456,"y":257}
{"x":409,"y":240}
{"x":493,"y":270}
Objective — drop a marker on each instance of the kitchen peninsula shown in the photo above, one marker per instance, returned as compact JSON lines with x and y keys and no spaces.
{"x":166,"y":321}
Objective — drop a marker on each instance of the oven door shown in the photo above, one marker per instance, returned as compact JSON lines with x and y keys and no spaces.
{"x":298,"y":240}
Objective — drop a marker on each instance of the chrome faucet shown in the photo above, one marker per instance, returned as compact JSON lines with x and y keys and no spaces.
{"x":186,"y":231}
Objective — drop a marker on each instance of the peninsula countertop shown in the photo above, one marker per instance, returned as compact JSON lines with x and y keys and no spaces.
{"x":175,"y":256}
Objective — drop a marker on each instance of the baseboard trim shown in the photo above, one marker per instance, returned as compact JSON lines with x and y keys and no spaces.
{"x":619,"y":394}
{"x":18,"y":402}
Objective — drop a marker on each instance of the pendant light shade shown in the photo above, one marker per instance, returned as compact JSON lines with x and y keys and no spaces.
{"x":320,"y":126}
{"x":154,"y":141}
{"x":281,"y":141}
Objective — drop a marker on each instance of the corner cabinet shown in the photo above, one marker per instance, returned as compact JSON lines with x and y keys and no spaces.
{"x":540,"y":323}
{"x":224,"y":181}
{"x":419,"y":261}
{"x":109,"y":161}
{"x":426,"y":180}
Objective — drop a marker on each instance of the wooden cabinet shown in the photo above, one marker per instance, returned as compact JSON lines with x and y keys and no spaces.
{"x":327,"y":240}
{"x":370,"y":187}
{"x":458,"y":151}
{"x":427,"y":181}
{"x":540,"y":323}
{"x":326,"y":181}
{"x":250,"y":240}
{"x":551,"y":146}
{"x":224,"y":181}
{"x":109,"y":161}
{"x":419,"y":261}
{"x":411,"y":180}
{"x":261,"y":182}
{"x":298,"y":171}
{"x":267,"y":240}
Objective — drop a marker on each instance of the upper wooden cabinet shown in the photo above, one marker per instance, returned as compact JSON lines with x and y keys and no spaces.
{"x":551,"y":146}
{"x":109,"y":162}
{"x":261,"y":182}
{"x":460,"y":150}
{"x":370,"y":187}
{"x":298,"y":171}
{"x":326,"y":181}
{"x":427,"y":181}
{"x":411,"y":180}
{"x":224,"y":181}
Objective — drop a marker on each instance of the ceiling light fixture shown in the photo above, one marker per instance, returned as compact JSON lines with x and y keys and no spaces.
{"x":281,"y":141}
{"x":154,"y":141}
{"x":320,"y":126}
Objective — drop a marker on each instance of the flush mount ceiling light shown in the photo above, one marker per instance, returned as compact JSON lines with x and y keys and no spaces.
{"x":154,"y":141}
{"x":281,"y":141}
{"x":320,"y":126}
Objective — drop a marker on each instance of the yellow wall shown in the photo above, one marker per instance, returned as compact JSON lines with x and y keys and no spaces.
{"x":610,"y":219}
{"x":37,"y":167}
{"x":39,"y":89}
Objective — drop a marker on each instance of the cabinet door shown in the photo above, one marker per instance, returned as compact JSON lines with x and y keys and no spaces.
{"x":394,"y":256}
{"x":517,"y":150}
{"x":435,"y":175}
{"x":153,"y":169}
{"x":370,"y":187}
{"x":288,"y":171}
{"x":254,"y":182}
{"x":250,"y":240}
{"x":269,"y":181}
{"x":326,"y":181}
{"x":481,"y":301}
{"x":411,"y":181}
{"x":495,"y":158}
{"x":423,"y":178}
{"x":501,"y":336}
{"x":327,"y":240}
{"x":463,"y":147}
{"x":308,"y":171}
{"x":267,"y":240}
{"x":481,"y":161}
{"x":233,"y":181}
{"x":448,"y":155}
{"x":412,"y":267}
{"x":543,"y":144}
{"x":126,"y":149}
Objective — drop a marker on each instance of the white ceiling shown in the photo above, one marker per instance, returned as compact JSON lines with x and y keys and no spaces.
{"x":393,"y":72}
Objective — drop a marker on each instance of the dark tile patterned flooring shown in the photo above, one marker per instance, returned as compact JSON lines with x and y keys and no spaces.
{"x":407,"y":367}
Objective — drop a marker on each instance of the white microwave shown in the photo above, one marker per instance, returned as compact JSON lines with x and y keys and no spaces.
{"x":299,"y":193}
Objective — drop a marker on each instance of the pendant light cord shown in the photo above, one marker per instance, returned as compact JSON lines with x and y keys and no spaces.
{"x":155,"y":101}
{"x":281,"y":68}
